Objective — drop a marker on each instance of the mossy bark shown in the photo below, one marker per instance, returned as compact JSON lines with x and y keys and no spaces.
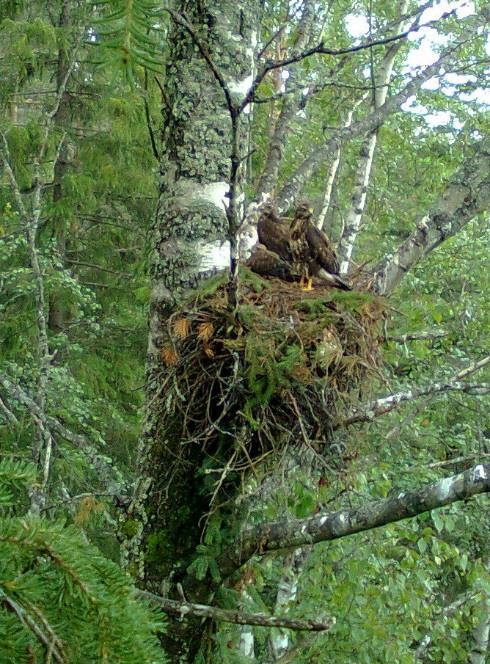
{"x":189,"y":242}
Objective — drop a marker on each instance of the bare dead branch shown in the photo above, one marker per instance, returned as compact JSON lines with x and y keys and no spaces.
{"x":419,"y":336}
{"x":184,"y":608}
{"x":148,"y":119}
{"x":72,"y":261}
{"x":457,"y":460}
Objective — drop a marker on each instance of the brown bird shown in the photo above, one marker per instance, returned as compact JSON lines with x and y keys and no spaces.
{"x":273,"y":232}
{"x":312,"y":252}
{"x":268,"y":263}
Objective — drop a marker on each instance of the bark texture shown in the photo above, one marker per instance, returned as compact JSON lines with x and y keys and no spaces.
{"x":189,"y":241}
{"x":289,"y":192}
{"x":289,"y":107}
{"x":291,"y":533}
{"x":466,"y":195}
{"x":381,"y":79}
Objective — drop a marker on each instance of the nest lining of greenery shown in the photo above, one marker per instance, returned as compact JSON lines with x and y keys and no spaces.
{"x":281,"y":370}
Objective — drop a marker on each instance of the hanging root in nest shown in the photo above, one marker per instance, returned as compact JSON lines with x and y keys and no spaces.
{"x":281,"y":370}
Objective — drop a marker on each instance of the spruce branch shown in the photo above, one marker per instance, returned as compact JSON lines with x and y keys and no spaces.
{"x":46,"y":636}
{"x":49,"y":424}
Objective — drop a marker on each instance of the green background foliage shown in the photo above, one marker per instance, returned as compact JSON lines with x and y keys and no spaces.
{"x":387,"y":588}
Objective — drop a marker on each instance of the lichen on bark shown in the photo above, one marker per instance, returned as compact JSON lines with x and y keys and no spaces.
{"x":189,"y":228}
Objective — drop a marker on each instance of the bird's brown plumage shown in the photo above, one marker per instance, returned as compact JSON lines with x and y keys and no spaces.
{"x":295,"y":250}
{"x":273,"y":232}
{"x":298,"y":241}
{"x":268,"y":263}
{"x":312,"y":252}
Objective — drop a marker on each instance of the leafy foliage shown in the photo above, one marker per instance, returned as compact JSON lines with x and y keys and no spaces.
{"x":62,"y":597}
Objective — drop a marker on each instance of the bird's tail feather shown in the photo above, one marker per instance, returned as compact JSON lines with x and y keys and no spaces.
{"x":334,"y":279}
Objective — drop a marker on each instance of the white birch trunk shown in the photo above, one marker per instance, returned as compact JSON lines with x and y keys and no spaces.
{"x":334,"y":167}
{"x":480,"y":637}
{"x":366,"y":156}
{"x":280,"y":641}
{"x":467,"y":194}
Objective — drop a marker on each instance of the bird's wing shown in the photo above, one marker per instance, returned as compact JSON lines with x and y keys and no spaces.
{"x":274,"y":233}
{"x":333,"y":279}
{"x":322,"y":249}
{"x":267,"y":263}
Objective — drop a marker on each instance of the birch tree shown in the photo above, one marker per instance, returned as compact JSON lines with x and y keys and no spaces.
{"x":351,"y":541}
{"x":191,"y":239}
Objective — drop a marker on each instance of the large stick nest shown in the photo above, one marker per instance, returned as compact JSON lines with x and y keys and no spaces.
{"x":283,"y":369}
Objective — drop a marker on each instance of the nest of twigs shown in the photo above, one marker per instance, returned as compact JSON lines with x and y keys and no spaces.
{"x":283,"y":369}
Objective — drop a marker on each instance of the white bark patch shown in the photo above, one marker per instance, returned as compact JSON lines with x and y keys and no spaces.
{"x":479,"y":473}
{"x":214,"y":255}
{"x":444,"y":489}
{"x":241,"y":87}
{"x":248,"y":238}
{"x":281,"y":644}
{"x":214,"y":192}
{"x":339,"y":524}
{"x":323,"y":520}
{"x":246,"y":645}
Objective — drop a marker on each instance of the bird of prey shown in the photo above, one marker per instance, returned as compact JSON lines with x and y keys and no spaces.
{"x":273,"y":232}
{"x":269,"y":264}
{"x":312,"y":253}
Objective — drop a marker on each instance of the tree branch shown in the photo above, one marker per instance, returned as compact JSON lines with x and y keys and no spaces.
{"x":374,"y":409}
{"x":362,"y":177}
{"x":289,"y":192}
{"x":52,"y":424}
{"x":387,"y":404}
{"x":237,"y":617}
{"x":419,"y":336}
{"x":8,"y":414}
{"x":442,"y":613}
{"x":278,"y":535}
{"x":52,"y":643}
{"x":466,"y":195}
{"x":148,"y":119}
{"x":321,"y":49}
{"x":289,"y":108}
{"x":334,"y":165}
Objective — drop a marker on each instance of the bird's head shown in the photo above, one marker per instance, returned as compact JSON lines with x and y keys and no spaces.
{"x":304,"y":209}
{"x":267,"y":209}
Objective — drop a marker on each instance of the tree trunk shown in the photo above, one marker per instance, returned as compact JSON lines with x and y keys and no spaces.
{"x":57,"y":316}
{"x":190,"y":241}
